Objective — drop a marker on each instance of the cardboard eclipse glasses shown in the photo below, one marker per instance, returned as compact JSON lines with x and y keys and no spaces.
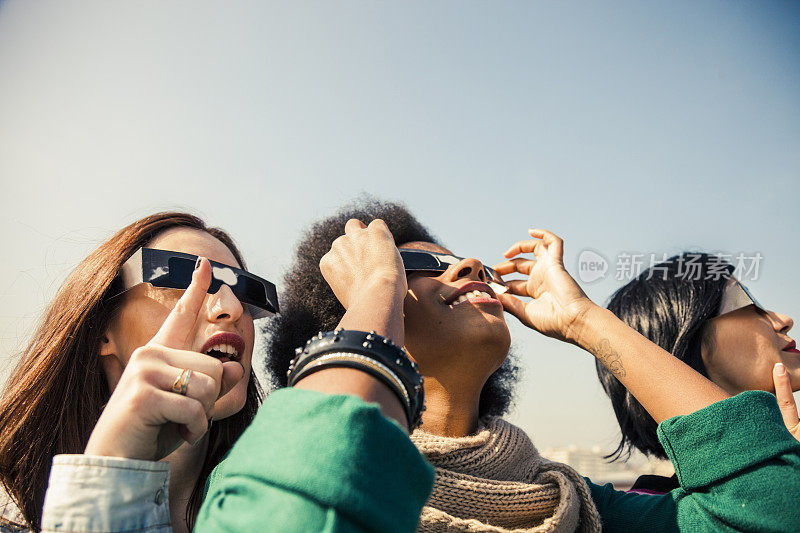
{"x":422,"y":261}
{"x":735,"y":296}
{"x":173,"y":270}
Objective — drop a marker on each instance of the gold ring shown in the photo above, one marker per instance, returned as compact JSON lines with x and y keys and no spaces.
{"x":181,"y":384}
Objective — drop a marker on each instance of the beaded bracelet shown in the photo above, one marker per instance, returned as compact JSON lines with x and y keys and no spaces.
{"x":370,"y":353}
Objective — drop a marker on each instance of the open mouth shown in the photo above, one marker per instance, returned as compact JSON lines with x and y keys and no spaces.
{"x":792,"y":348}
{"x":224,"y":346}
{"x":475,"y":293}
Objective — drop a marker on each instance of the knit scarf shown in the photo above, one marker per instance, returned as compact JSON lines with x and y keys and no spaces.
{"x":495,"y":480}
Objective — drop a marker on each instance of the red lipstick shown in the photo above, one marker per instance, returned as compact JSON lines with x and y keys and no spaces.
{"x":791,"y":348}
{"x":231,"y":339}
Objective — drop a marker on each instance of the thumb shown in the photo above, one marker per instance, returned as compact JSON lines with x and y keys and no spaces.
{"x":232,"y":373}
{"x":515,"y":306}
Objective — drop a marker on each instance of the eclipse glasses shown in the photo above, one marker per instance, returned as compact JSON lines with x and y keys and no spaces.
{"x":735,"y":296}
{"x":422,"y":261}
{"x":173,"y":270}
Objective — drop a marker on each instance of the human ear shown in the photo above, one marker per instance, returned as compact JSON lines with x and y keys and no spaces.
{"x":109,"y":359}
{"x":707,"y":349}
{"x":107,"y":344}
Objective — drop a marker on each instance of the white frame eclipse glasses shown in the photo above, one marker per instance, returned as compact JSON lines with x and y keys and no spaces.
{"x":173,"y":270}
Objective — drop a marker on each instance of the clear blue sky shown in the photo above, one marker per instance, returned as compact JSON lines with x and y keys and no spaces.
{"x":623,"y":126}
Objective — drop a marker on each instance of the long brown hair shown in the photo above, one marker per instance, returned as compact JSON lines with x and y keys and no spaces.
{"x":56,"y":393}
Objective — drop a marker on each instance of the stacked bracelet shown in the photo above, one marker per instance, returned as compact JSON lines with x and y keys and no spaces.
{"x":368,"y":352}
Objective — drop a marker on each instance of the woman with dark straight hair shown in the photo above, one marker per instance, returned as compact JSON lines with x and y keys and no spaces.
{"x":692,"y":306}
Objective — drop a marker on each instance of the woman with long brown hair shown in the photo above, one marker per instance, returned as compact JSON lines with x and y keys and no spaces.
{"x":149,"y":341}
{"x":76,"y":357}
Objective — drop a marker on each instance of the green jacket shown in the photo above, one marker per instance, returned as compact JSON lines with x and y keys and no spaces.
{"x":313,"y":462}
{"x":738,"y":467}
{"x":317,"y":462}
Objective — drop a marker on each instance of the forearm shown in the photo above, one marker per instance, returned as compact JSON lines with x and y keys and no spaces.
{"x":378,"y":309}
{"x":662,"y":383}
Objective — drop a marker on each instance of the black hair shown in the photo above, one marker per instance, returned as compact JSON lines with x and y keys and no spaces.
{"x":669,"y":303}
{"x":309,"y":306}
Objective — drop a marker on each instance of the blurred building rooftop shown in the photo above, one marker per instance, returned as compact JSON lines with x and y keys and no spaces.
{"x":592,"y":463}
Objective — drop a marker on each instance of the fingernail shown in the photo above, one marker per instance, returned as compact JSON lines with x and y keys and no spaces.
{"x":208,"y":430}
{"x":197,"y":263}
{"x":780,"y":369}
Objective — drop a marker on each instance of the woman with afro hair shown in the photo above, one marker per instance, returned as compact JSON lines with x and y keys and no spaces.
{"x":489,"y":476}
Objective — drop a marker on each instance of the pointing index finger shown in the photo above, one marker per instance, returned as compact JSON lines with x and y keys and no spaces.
{"x":181,"y":319}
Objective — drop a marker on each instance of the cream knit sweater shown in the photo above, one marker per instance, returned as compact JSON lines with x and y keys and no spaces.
{"x":495,"y":480}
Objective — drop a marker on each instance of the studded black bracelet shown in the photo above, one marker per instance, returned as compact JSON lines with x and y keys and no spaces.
{"x":368,"y":352}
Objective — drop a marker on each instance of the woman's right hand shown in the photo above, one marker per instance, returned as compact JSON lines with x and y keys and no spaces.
{"x":366,"y":273}
{"x":144,"y":419}
{"x":362,"y":257}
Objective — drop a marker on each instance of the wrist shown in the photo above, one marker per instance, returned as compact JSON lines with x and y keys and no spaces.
{"x":95,"y":447}
{"x":387,"y":285}
{"x":365,"y":352}
{"x":582,"y":331}
{"x":378,"y":306}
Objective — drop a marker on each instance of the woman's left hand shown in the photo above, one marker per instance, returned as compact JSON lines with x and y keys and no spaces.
{"x":558,"y":302}
{"x":786,"y":403}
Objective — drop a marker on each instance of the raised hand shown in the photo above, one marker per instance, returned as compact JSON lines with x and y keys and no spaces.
{"x":557,"y":300}
{"x":365,"y":271}
{"x":361,"y":256}
{"x":786,"y":403}
{"x":145,"y":417}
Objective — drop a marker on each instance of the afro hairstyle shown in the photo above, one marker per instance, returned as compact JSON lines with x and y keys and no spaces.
{"x":309,"y":306}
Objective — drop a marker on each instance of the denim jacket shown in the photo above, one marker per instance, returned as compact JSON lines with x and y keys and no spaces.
{"x":91,"y":493}
{"x":115,"y":495}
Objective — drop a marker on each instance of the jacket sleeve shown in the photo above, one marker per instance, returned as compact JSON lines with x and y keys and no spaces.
{"x":738,"y":469}
{"x":318,"y":462}
{"x":106,"y":494}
